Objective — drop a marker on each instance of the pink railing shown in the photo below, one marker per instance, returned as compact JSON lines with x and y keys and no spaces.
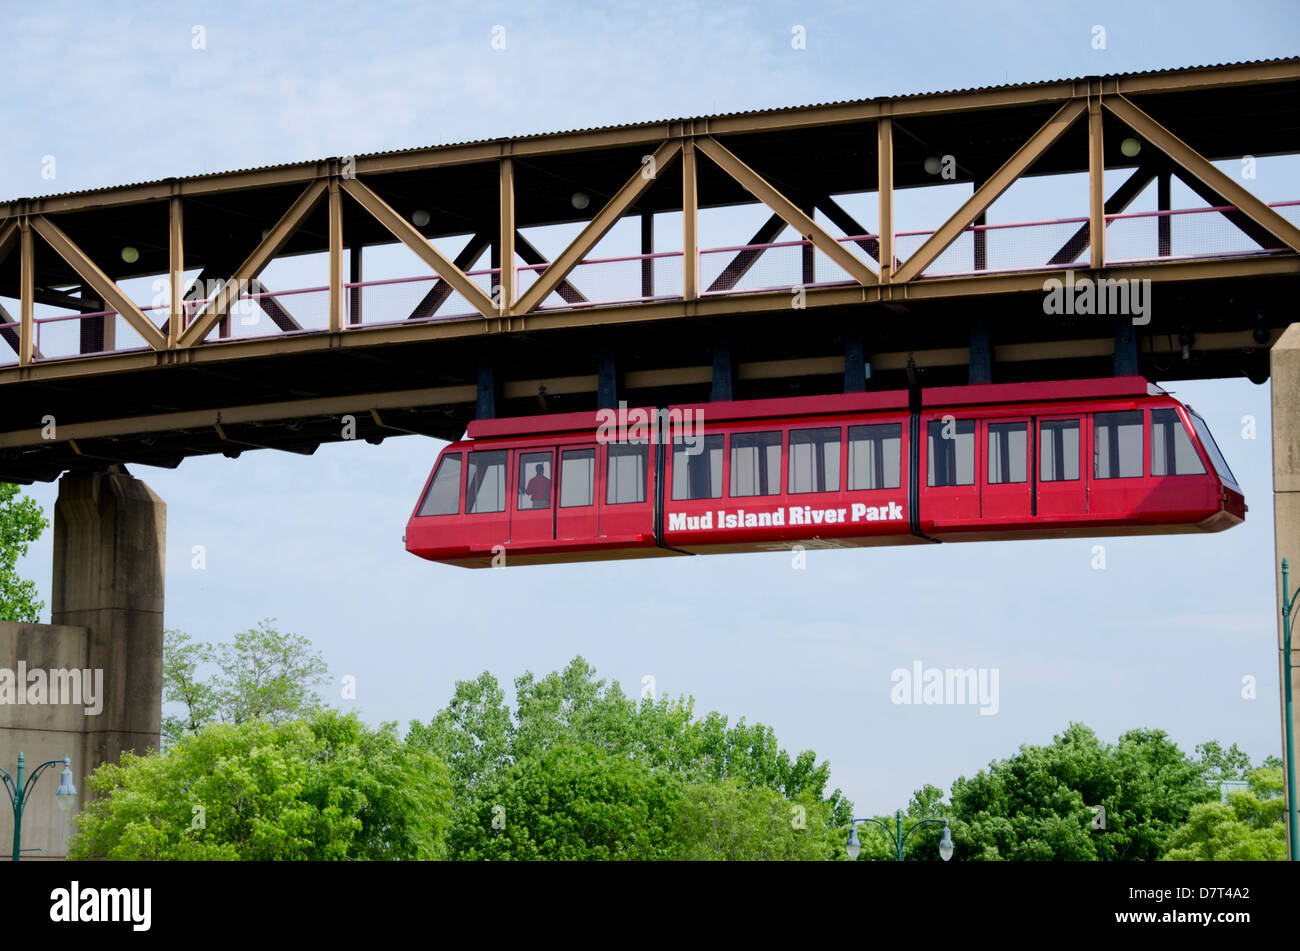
{"x":1182,"y":234}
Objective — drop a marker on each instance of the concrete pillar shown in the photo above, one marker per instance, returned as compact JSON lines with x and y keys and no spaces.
{"x":109,"y":548}
{"x":1285,"y":368}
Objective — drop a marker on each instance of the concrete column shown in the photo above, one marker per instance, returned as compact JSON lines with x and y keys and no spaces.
{"x":109,"y":548}
{"x":1285,"y":368}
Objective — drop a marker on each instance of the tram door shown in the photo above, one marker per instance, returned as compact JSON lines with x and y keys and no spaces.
{"x":1061,"y":487}
{"x":532,"y":517}
{"x":575,"y":516}
{"x":1006,"y":486}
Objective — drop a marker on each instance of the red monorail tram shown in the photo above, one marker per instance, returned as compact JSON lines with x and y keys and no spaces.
{"x":970,"y":463}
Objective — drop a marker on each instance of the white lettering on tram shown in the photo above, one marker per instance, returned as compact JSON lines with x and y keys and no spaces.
{"x":789,"y":515}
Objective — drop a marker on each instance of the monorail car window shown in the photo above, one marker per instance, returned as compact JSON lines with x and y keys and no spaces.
{"x":755,"y":464}
{"x":1058,"y":450}
{"x":443,"y":497}
{"x":1211,"y":447}
{"x":485,"y":489}
{"x":875,"y":456}
{"x":1008,"y":452}
{"x":815,"y":460}
{"x":534,"y":486}
{"x":626,"y":467}
{"x":1117,"y":445}
{"x":577,"y":477}
{"x":950,"y":452}
{"x":697,"y":468}
{"x":1172,"y":452}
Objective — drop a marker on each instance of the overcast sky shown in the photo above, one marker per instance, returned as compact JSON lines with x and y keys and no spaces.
{"x":1160,"y":638}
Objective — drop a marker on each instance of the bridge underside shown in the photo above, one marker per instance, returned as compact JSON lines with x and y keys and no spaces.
{"x":845,"y":305}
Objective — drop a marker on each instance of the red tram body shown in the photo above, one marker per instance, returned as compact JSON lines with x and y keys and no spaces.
{"x":972,"y":463}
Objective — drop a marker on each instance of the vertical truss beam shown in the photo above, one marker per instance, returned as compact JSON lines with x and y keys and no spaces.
{"x":1096,"y":185}
{"x":885,"y":187}
{"x":986,"y":194}
{"x":1197,"y":166}
{"x":690,"y":223}
{"x":647,"y":247}
{"x":336,"y":255}
{"x":175,"y":270}
{"x":506,"y":233}
{"x":26,"y":294}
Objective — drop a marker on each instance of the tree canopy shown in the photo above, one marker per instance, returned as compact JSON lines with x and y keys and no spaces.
{"x":1250,"y":826}
{"x":321,"y":788}
{"x":21,"y":523}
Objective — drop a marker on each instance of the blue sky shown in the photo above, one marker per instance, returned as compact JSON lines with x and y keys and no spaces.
{"x":1161,"y":638}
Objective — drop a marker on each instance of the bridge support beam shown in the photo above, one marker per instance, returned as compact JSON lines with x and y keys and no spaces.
{"x":110,"y":538}
{"x":1285,"y":367}
{"x":856,"y":369}
{"x":722,"y":376}
{"x":1126,"y":349}
{"x":981,"y":356}
{"x":486,"y":407}
{"x":607,"y":381}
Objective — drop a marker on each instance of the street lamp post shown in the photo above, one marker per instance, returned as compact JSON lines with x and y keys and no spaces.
{"x":1293,"y":821}
{"x":19,"y":793}
{"x":899,"y":837}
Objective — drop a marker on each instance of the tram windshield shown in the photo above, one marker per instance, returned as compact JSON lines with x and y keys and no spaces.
{"x":1211,"y":447}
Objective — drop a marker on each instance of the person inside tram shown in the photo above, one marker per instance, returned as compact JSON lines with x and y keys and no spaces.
{"x":539,"y":488}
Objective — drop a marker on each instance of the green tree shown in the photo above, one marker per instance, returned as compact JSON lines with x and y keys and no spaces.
{"x":323,"y":788}
{"x":262,"y":674}
{"x":570,"y":802}
{"x":478,"y":736}
{"x":1250,"y":826}
{"x":1218,"y":764}
{"x":726,"y":821}
{"x":1039,"y":804}
{"x":21,"y":523}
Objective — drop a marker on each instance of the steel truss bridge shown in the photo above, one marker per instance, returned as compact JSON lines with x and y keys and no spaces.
{"x":498,"y":328}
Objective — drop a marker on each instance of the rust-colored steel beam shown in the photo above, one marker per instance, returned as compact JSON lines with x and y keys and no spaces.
{"x":791,"y":212}
{"x":255,"y":263}
{"x":1096,"y":185}
{"x":336,"y":255}
{"x":690,"y":223}
{"x":597,"y":228}
{"x":98,"y":281}
{"x":1199,"y":167}
{"x":531,"y":255}
{"x":1249,"y":228}
{"x":409,"y":235}
{"x":441,"y":290}
{"x":175,"y":271}
{"x":849,"y":225}
{"x":506,"y":237}
{"x":986,"y":194}
{"x":885,"y":186}
{"x":8,"y":237}
{"x":26,"y":294}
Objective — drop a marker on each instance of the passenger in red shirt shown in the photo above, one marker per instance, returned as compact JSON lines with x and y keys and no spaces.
{"x":539,"y":489}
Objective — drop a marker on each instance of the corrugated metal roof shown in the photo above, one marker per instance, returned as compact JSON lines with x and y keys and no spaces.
{"x":646,"y":123}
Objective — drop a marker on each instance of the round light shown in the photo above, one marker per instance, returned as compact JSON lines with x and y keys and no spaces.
{"x":420,"y":217}
{"x":580,"y":200}
{"x":1130,"y":146}
{"x":130,"y":255}
{"x":933,"y":164}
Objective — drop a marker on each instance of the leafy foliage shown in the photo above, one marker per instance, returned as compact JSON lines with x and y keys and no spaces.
{"x":1251,"y":826}
{"x":485,"y":744}
{"x":261,"y":674}
{"x":21,"y":523}
{"x":327,"y":787}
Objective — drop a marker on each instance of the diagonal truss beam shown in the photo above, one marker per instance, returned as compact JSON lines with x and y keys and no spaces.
{"x":1197,"y":166}
{"x":254,"y":264}
{"x":12,"y":336}
{"x":98,"y":281}
{"x":1120,"y":199}
{"x":623,"y":199}
{"x":526,"y":250}
{"x":1261,"y":236}
{"x":792,"y":213}
{"x":739,"y":266}
{"x":993,"y":186}
{"x":849,"y":225}
{"x":409,"y":235}
{"x":8,"y":237}
{"x":441,"y":290}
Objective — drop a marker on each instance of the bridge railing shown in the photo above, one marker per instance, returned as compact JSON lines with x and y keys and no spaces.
{"x":1182,"y":234}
